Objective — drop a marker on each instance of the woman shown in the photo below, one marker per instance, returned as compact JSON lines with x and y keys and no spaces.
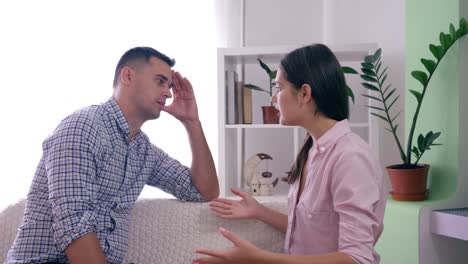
{"x":336,"y":200}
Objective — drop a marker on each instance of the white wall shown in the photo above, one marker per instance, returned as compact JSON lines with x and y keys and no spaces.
{"x":228,"y":23}
{"x":381,"y":21}
{"x":279,"y":22}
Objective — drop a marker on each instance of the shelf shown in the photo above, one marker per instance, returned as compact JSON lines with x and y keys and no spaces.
{"x":265,"y":198}
{"x":450,"y":222}
{"x":271,"y":54}
{"x":281,"y":126}
{"x":259,"y":126}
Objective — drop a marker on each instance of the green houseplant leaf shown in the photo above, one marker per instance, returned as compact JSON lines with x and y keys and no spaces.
{"x":370,"y":87}
{"x":420,"y":76}
{"x":437,"y":51}
{"x":272,"y":74}
{"x":368,"y":72}
{"x":429,"y":64}
{"x":350,"y":93}
{"x":366,"y":65}
{"x":463,"y":25}
{"x":368,"y":78}
{"x":416,"y":94}
{"x":348,"y":70}
{"x":254,"y":87}
{"x":264,"y":66}
{"x":377,"y":54}
{"x":452,"y":30}
{"x":445,"y":40}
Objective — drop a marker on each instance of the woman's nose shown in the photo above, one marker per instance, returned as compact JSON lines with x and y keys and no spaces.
{"x":273,"y":97}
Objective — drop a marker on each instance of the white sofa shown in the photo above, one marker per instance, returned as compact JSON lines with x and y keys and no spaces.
{"x":168,"y":231}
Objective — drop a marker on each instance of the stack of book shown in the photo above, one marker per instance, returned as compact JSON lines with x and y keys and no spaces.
{"x":238,"y":100}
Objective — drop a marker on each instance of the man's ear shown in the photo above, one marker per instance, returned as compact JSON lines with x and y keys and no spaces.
{"x":126,"y":75}
{"x":305,"y":92}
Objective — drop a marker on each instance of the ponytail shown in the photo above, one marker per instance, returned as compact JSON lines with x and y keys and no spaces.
{"x":301,"y":159}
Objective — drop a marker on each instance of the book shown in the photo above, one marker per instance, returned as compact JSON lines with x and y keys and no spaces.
{"x":230,"y":79}
{"x":239,"y":102}
{"x":247,"y":106}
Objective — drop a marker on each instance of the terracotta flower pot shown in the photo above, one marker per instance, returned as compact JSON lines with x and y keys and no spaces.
{"x":408,"y":184}
{"x":270,"y":115}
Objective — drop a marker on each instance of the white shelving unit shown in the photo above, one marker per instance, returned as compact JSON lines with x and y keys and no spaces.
{"x":450,"y":223}
{"x":237,"y":142}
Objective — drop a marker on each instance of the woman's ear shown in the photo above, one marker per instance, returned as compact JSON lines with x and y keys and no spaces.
{"x":305,"y":92}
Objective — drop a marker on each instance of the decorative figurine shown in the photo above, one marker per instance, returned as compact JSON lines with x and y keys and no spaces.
{"x":257,"y":183}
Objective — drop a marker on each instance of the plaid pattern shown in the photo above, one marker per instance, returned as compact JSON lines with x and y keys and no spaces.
{"x":88,"y":180}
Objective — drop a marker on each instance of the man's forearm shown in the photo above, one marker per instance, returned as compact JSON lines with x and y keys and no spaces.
{"x":86,"y":249}
{"x":203,"y":170}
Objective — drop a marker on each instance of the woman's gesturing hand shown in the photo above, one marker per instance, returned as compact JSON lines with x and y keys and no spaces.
{"x":247,"y":207}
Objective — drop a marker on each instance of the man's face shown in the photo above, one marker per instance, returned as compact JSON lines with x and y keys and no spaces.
{"x":151,"y":87}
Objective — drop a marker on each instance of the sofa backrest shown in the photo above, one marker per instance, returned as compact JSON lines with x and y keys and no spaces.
{"x":10,"y":219}
{"x":168,"y":231}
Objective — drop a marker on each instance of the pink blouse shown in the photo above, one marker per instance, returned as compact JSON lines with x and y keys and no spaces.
{"x":342,"y":205}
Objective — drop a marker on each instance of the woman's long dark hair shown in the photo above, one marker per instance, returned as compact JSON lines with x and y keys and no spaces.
{"x":317,"y":66}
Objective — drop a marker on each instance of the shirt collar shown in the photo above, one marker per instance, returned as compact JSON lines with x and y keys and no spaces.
{"x":331,"y":136}
{"x":113,"y":108}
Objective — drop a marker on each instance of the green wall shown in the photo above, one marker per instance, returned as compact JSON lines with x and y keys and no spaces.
{"x":399,"y":241}
{"x":425,"y":19}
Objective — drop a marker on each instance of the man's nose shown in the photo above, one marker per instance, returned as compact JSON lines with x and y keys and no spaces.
{"x":167,"y":91}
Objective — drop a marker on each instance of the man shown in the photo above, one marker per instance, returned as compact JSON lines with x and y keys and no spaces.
{"x":97,"y":161}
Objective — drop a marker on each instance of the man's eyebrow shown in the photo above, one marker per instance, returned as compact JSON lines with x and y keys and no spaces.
{"x":162,"y":76}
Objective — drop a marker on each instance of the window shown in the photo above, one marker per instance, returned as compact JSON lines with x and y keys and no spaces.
{"x":59,"y":56}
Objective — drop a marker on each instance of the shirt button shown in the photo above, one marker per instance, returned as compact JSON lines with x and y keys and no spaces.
{"x":322,"y":149}
{"x":309,"y":216}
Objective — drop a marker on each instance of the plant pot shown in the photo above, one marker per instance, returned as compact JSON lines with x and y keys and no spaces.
{"x":270,"y":115}
{"x":408,"y":184}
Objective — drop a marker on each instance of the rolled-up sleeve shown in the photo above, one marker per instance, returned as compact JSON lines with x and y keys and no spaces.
{"x":173,"y":177}
{"x":357,"y":192}
{"x":71,"y":173}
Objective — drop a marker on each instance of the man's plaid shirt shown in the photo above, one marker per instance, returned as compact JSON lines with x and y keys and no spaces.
{"x":88,"y":180}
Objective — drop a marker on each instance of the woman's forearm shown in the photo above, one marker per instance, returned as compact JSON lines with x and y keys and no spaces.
{"x":272,"y":217}
{"x":335,"y":258}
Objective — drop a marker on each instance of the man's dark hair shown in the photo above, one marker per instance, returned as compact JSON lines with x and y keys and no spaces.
{"x":139,"y":54}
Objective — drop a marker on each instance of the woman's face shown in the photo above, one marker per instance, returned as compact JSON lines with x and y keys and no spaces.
{"x":286,"y":100}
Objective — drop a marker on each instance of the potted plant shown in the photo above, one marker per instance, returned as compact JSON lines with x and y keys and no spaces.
{"x":409,"y":178}
{"x":270,"y":113}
